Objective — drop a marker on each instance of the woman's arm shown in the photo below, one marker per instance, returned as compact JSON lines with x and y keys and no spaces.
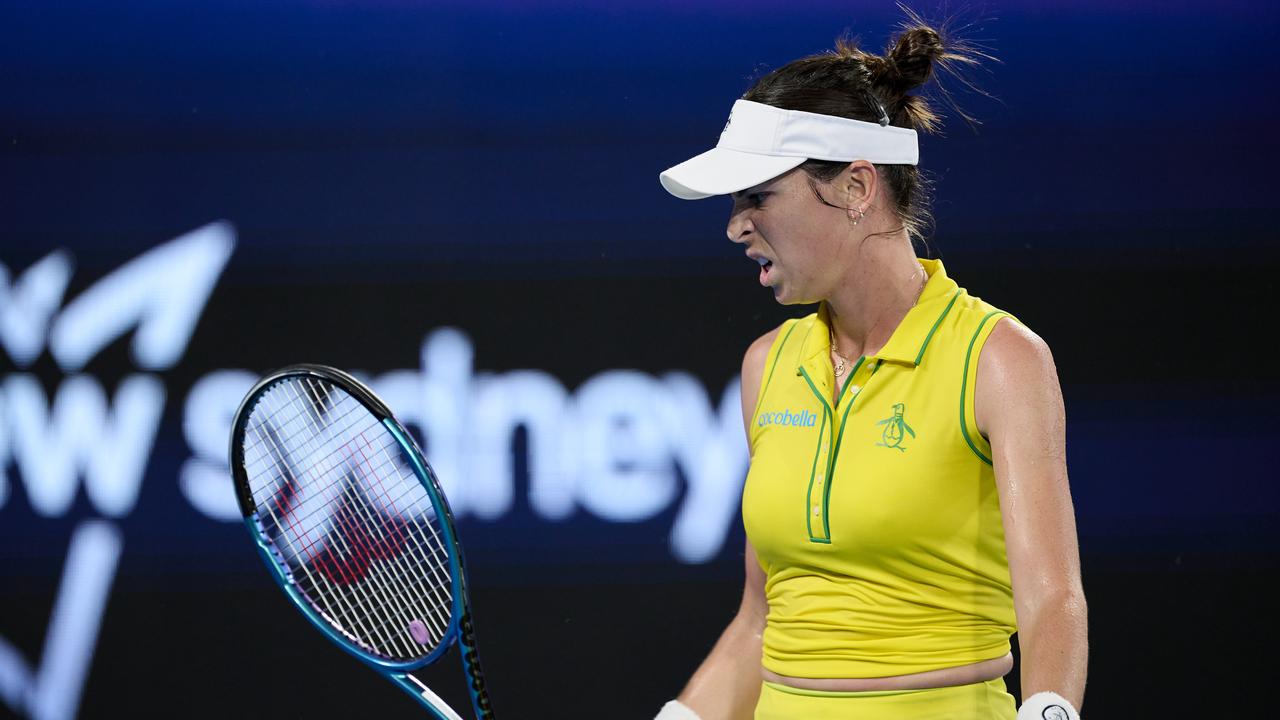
{"x":727,"y":683}
{"x":1019,"y":408}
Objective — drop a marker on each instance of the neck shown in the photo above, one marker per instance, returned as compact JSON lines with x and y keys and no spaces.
{"x":866,"y":310}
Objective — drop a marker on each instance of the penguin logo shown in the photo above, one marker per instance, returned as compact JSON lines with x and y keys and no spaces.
{"x":896,"y":429}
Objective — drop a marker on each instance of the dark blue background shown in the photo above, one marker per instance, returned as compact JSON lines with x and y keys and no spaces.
{"x":402,"y":166}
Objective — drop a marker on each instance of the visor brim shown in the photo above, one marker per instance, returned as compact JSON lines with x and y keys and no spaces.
{"x":721,"y":171}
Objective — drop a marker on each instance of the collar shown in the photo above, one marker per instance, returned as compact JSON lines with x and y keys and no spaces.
{"x":908,"y":342}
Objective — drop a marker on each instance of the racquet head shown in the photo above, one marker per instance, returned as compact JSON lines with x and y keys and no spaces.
{"x":348,"y":516}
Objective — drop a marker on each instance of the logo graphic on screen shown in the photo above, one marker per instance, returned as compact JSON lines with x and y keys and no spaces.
{"x":81,"y":433}
{"x":896,"y":429}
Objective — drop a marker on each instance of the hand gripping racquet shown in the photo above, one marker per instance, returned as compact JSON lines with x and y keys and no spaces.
{"x":353,"y":525}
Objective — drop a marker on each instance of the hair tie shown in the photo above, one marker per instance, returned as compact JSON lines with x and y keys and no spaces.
{"x":873,"y":102}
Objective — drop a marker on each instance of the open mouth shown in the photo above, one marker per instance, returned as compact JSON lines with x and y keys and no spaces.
{"x":765,"y":267}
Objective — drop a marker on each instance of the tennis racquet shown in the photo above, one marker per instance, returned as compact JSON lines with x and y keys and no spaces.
{"x":352,"y":523}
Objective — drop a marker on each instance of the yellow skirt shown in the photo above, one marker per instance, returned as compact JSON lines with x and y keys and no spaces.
{"x":980,"y":701}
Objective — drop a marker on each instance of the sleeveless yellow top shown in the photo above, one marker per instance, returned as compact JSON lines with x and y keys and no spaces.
{"x":876,"y":517}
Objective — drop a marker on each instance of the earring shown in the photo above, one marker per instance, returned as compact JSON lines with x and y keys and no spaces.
{"x":861,"y":215}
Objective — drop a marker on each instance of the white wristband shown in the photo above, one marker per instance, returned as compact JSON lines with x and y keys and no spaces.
{"x":676,"y":710}
{"x":1047,"y":706}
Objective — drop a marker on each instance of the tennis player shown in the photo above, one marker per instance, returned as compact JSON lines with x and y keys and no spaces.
{"x":907,"y":507}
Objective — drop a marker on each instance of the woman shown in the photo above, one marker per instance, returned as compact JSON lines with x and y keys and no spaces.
{"x":907,"y":506}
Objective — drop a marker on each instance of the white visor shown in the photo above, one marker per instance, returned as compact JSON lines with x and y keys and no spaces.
{"x":761,"y":142}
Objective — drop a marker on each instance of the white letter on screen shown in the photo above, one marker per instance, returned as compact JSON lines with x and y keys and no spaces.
{"x":712,"y":450}
{"x":627,"y":472}
{"x":206,"y":423}
{"x":446,"y":392}
{"x":501,"y":403}
{"x":109,"y":446}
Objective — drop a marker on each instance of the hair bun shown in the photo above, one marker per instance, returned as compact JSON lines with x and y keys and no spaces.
{"x":909,"y":60}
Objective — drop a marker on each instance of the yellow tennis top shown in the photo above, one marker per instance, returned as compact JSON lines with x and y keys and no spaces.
{"x":875,"y":517}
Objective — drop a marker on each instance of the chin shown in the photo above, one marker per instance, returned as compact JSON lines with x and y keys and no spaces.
{"x":779,"y":295}
{"x":783,"y":297}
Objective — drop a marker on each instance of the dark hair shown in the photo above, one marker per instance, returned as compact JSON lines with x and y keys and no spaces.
{"x":852,"y":83}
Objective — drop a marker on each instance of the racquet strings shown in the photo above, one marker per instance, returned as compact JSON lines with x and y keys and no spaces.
{"x":345,"y":515}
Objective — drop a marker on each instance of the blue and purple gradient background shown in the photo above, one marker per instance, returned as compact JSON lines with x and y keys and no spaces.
{"x":451,"y":130}
{"x":1119,"y":196}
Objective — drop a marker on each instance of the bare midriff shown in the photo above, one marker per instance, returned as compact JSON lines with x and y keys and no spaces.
{"x":945,"y":677}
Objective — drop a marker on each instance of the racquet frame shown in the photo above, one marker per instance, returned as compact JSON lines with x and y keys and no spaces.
{"x":461,"y":628}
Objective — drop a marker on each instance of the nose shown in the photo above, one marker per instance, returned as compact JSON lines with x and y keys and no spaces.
{"x":739,"y":224}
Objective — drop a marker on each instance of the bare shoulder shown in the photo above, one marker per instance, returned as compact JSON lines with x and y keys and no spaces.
{"x":1013,"y":347}
{"x":757,"y":352}
{"x":1015,"y":367}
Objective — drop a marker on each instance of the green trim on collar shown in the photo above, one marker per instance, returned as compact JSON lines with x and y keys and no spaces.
{"x":934,"y":329}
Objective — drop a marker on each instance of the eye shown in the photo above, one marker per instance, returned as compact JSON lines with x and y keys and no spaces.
{"x":753,"y":200}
